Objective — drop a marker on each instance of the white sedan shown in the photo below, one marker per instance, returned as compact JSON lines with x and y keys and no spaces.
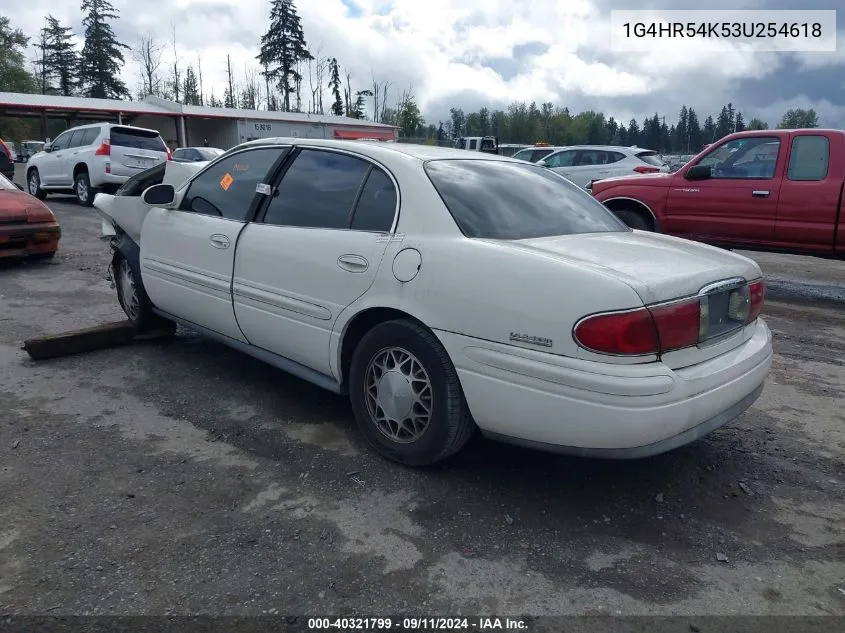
{"x":448,"y":292}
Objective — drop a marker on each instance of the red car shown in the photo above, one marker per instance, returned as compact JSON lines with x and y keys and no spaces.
{"x":776,"y":190}
{"x":27,"y":226}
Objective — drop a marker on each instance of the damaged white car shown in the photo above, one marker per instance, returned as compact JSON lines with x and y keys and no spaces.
{"x":447,"y":293}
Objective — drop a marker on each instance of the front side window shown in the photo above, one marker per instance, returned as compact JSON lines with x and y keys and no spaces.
{"x":591,"y":157}
{"x":809,"y":158}
{"x":227,"y":189}
{"x":525,"y":154}
{"x":61,"y":142}
{"x":492,"y":199}
{"x":318,"y":191}
{"x":744,"y":158}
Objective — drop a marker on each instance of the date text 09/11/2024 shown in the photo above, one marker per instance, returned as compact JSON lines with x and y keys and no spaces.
{"x":417,"y":624}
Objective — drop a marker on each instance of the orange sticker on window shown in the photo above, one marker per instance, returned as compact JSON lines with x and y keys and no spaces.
{"x":226,"y":181}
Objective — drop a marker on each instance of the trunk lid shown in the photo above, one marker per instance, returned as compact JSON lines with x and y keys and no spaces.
{"x":661,"y":268}
{"x":135,"y":149}
{"x":658,"y":267}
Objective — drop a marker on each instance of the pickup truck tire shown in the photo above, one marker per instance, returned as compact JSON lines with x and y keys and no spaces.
{"x":635,"y":219}
{"x":33,"y":184}
{"x":132,"y":296}
{"x":406,"y":395}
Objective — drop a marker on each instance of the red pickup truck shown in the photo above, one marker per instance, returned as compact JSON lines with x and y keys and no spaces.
{"x":774,"y":190}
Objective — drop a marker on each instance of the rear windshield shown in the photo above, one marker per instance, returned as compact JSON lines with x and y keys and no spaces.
{"x":137,"y":139}
{"x":209,"y":153}
{"x":512,"y":201}
{"x":524,"y":154}
{"x":650,"y":157}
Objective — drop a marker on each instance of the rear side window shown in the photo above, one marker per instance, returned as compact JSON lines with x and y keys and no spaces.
{"x":227,"y":189}
{"x":540,"y":154}
{"x":650,"y":158}
{"x":614,"y":157}
{"x":376,"y":207}
{"x":525,"y":154}
{"x":89,"y":136}
{"x":137,"y":139}
{"x":318,"y":191}
{"x":511,"y":201}
{"x":76,"y":138}
{"x":809,"y":158}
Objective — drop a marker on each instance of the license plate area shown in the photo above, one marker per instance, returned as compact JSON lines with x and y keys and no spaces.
{"x":724,"y":310}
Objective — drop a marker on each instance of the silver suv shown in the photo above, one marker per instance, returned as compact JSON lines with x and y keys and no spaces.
{"x":90,"y":158}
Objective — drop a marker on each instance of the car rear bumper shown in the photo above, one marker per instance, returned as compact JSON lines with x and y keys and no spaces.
{"x":603,"y":409}
{"x":23,"y":240}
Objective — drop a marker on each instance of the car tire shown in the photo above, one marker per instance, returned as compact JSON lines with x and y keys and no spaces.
{"x":133,"y":297}
{"x":82,"y":189}
{"x":425,"y":419}
{"x":33,"y":184}
{"x":635,"y":219}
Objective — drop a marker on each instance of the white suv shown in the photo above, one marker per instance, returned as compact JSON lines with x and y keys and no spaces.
{"x":584,"y":164}
{"x":95,"y":157}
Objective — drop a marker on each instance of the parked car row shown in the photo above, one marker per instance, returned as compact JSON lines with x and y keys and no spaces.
{"x":445,"y":292}
{"x":585,"y":164}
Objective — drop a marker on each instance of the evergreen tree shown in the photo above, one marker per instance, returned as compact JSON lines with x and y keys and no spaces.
{"x":681,"y":136}
{"x":13,"y":74}
{"x":709,"y":131}
{"x":282,"y":47}
{"x":334,"y":84}
{"x":634,"y":133}
{"x":61,"y":59}
{"x":102,"y":55}
{"x":757,"y":124}
{"x":42,"y":75}
{"x":796,"y":118}
{"x":739,"y":123}
{"x":696,"y":139}
{"x":724,"y":122}
{"x":190,"y":89}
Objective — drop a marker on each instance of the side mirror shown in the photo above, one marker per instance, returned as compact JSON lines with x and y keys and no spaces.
{"x":159,"y":195}
{"x":48,"y":148}
{"x":699,"y":172}
{"x":542,"y":163}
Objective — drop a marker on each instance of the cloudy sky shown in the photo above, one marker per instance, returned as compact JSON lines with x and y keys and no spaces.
{"x":470,"y":53}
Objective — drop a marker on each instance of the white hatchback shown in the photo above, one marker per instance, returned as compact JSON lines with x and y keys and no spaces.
{"x":448,"y":291}
{"x":584,"y":164}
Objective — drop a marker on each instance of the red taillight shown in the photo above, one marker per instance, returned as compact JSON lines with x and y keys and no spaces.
{"x":104,"y":149}
{"x":625,"y":333}
{"x":678,"y":324}
{"x":169,"y":154}
{"x":642,"y":169}
{"x":666,"y":327}
{"x":757,"y":291}
{"x":6,"y":149}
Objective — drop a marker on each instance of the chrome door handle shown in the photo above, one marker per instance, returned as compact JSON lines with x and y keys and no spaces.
{"x":353,"y":263}
{"x":219,"y":241}
{"x":760,"y":194}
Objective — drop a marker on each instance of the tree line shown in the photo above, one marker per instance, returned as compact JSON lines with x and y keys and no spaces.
{"x":291,"y":76}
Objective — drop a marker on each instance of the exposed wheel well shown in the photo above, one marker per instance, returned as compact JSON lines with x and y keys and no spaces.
{"x":358,"y":327}
{"x":79,"y":168}
{"x":625,"y":204}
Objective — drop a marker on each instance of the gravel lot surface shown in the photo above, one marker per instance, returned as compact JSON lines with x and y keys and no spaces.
{"x":178,"y":476}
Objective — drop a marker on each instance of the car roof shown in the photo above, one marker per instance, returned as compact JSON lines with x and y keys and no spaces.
{"x":374,"y":150}
{"x":614,"y":148}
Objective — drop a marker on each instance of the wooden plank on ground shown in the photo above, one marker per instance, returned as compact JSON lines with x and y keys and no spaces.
{"x":89,"y":340}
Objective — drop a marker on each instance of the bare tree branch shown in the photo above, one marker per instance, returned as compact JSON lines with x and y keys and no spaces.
{"x":148,"y":54}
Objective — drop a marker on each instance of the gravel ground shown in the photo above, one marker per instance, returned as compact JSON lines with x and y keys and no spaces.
{"x":180,"y":477}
